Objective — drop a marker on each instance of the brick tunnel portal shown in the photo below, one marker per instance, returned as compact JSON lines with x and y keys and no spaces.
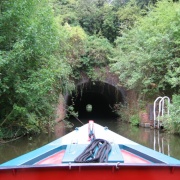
{"x":101,"y":96}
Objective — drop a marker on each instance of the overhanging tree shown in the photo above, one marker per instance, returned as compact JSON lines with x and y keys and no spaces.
{"x":32,"y":69}
{"x":148,"y":55}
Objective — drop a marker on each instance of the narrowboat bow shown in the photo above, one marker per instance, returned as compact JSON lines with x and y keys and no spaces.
{"x":91,"y":152}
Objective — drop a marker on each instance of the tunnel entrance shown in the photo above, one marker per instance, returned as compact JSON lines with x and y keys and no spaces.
{"x":101,"y":96}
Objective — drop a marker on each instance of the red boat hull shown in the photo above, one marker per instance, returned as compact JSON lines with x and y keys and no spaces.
{"x":92,"y":172}
{"x":127,"y":160}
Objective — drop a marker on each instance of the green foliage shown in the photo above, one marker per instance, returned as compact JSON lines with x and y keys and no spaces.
{"x":128,"y":14}
{"x":173,"y":74}
{"x":76,"y":40}
{"x":71,"y":112}
{"x":98,"y":51}
{"x":45,"y":45}
{"x":66,"y":10}
{"x":96,"y":56}
{"x":172,"y":122}
{"x":148,"y":54}
{"x":122,"y":111}
{"x":85,"y":53}
{"x":32,"y":70}
{"x":134,"y":119}
{"x":98,"y":18}
{"x":11,"y":132}
{"x":127,"y":114}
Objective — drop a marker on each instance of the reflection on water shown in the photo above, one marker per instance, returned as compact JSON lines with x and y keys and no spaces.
{"x":161,"y":143}
{"x":23,"y":145}
{"x":158,"y":140}
{"x":26,"y":144}
{"x":154,"y":139}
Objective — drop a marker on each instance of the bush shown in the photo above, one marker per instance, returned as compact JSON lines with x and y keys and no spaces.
{"x":134,"y":119}
{"x":172,"y":122}
{"x":33,"y":71}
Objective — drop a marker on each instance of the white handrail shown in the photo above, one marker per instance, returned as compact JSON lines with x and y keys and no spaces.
{"x":165,"y":97}
{"x":161,"y":109}
{"x":154,"y":110}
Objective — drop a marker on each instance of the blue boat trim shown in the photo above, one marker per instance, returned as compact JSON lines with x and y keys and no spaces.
{"x":140,"y":154}
{"x":45,"y":155}
{"x":65,"y":142}
{"x":149,"y":154}
{"x":36,"y":155}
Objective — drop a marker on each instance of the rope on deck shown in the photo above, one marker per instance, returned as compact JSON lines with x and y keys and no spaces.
{"x":97,"y":151}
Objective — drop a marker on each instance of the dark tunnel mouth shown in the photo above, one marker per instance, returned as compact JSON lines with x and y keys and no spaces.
{"x":101,"y":96}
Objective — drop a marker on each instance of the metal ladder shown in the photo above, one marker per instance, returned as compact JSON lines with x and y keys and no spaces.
{"x":161,"y":109}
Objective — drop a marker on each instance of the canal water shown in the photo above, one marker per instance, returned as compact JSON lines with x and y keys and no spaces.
{"x":154,"y":139}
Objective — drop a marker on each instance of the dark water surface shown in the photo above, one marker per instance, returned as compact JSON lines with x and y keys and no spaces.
{"x":154,"y":139}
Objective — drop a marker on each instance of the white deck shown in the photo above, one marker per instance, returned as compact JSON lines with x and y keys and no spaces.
{"x":80,"y":136}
